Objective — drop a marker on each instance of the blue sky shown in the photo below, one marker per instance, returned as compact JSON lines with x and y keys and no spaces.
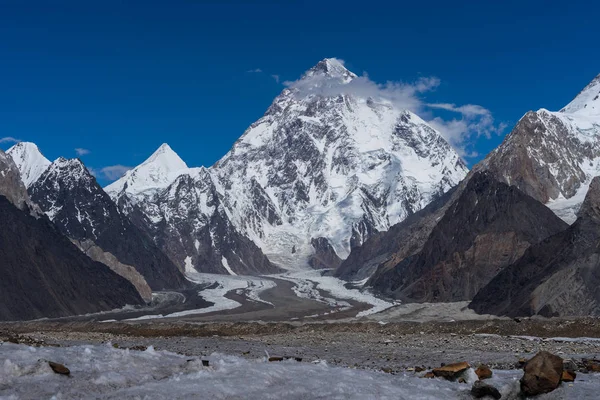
{"x":120,"y":78}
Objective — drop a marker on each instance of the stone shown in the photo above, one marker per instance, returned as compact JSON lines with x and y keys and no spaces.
{"x":543,"y":374}
{"x":451,"y":371}
{"x":275,"y":359}
{"x":483,"y":372}
{"x":429,"y":375}
{"x":481,"y":389}
{"x":592,"y":365}
{"x":568,"y":376}
{"x":59,"y":368}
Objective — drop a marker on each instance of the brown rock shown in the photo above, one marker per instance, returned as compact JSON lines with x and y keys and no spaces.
{"x":429,"y":375}
{"x":568,"y":376}
{"x":542,"y":374}
{"x":59,"y":368}
{"x":592,"y":365}
{"x":274,"y":359}
{"x":481,"y":389}
{"x":462,"y":380}
{"x":419,"y":369}
{"x":483,"y":372}
{"x":451,"y":371}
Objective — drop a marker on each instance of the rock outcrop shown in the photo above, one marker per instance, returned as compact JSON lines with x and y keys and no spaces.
{"x":485,"y":229}
{"x":45,"y":275}
{"x":556,"y":277}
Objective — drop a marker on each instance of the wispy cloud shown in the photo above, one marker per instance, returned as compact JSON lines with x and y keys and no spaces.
{"x":475,"y":121}
{"x":113,"y":172}
{"x":403,"y":95}
{"x":275,"y":77}
{"x":9,"y":139}
{"x":462,"y":133}
{"x":81,"y":152}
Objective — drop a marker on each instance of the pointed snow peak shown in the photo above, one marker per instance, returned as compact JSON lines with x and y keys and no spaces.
{"x":331,"y":68}
{"x":587,"y":102}
{"x":167,"y":158}
{"x":29,"y":160}
{"x":158,"y":171}
{"x":73,"y":167}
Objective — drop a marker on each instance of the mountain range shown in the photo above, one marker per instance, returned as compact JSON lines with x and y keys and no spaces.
{"x":328,"y":178}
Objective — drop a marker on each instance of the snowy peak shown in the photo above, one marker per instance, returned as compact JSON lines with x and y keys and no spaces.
{"x":330,"y":67}
{"x":587,"y":102}
{"x":29,"y":160}
{"x":67,"y":170}
{"x":157,"y":172}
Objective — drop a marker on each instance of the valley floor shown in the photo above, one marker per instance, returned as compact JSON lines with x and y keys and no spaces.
{"x":351,"y":343}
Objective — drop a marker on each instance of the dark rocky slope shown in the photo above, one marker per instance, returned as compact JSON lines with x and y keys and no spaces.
{"x":557,"y":277}
{"x":82,"y":211}
{"x":386,"y":249}
{"x":45,"y":275}
{"x":485,"y":229}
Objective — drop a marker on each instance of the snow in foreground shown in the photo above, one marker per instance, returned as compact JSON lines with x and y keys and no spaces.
{"x":106,"y":372}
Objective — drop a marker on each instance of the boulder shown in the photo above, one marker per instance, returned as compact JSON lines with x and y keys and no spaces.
{"x":543,"y":374}
{"x":568,"y":376}
{"x":481,"y":389}
{"x":59,"y":368}
{"x":451,"y":371}
{"x":483,"y":372}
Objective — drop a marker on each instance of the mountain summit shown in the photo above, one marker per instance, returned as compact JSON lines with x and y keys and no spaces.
{"x":587,"y":101}
{"x":30,"y":161}
{"x":553,"y":156}
{"x":318,"y":174}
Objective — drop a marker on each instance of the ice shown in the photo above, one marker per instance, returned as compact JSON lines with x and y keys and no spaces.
{"x":103,"y":372}
{"x":309,"y":283}
{"x":217,"y":287}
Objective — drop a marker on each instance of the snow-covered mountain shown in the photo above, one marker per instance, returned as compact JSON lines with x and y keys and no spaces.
{"x":553,"y":156}
{"x":182,"y":210}
{"x":320,"y":172}
{"x":30,"y":161}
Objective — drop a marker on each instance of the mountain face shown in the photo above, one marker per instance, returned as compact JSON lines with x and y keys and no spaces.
{"x":30,"y":161}
{"x":550,"y":156}
{"x":11,"y":186}
{"x":553,"y":156}
{"x":181,"y":209}
{"x":45,"y":275}
{"x":558,"y":277}
{"x":82,"y":211}
{"x":323,"y":170}
{"x":487,"y":228}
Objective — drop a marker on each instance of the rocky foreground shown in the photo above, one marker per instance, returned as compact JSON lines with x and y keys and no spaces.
{"x":453,"y":351}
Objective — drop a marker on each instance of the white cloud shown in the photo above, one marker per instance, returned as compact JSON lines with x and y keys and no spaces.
{"x":254,"y":71}
{"x":475,"y":121}
{"x":403,"y":95}
{"x":81,"y":152}
{"x":462,"y":133}
{"x":113,"y":172}
{"x":276,"y":77}
{"x":9,"y":139}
